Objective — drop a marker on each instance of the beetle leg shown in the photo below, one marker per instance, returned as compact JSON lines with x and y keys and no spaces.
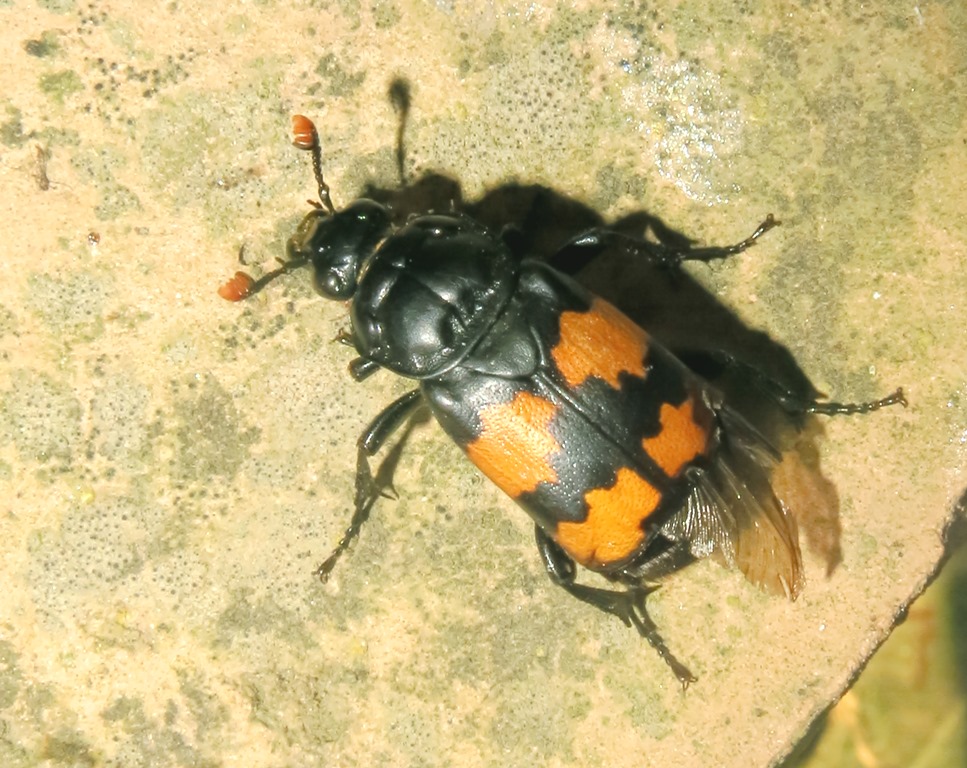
{"x":580,"y":251}
{"x":368,"y":490}
{"x":362,"y":368}
{"x":629,"y":606}
{"x":793,"y":402}
{"x":662,"y":557}
{"x":831,"y":409}
{"x":375,"y":436}
{"x":711,"y":253}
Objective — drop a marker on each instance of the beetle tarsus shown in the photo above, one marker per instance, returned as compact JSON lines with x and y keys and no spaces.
{"x":584,"y":248}
{"x":366,"y":495}
{"x":715,"y":252}
{"x":360,"y":516}
{"x":647,"y":629}
{"x":834,"y":409}
{"x":800,"y":403}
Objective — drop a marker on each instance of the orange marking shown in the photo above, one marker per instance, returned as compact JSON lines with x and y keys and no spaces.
{"x":601,"y":342}
{"x":514,"y":448}
{"x":612,"y":531}
{"x":681,"y":439}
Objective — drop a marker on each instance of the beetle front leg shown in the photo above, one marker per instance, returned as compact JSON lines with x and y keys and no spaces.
{"x":367,"y":490}
{"x":629,"y":606}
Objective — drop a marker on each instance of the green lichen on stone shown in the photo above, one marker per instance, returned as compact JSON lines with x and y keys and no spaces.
{"x":60,"y":85}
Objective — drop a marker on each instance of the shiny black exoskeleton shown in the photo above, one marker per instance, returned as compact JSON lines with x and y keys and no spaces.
{"x":415,"y":308}
{"x":629,"y":463}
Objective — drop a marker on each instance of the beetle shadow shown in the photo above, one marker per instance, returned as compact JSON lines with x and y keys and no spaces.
{"x":537,"y":221}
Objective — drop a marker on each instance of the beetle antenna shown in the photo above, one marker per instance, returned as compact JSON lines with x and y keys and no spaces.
{"x":305,"y":136}
{"x":399,"y":96}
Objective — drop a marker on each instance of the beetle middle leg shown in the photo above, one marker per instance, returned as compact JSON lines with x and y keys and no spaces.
{"x":368,"y":490}
{"x":580,"y":251}
{"x":629,"y":606}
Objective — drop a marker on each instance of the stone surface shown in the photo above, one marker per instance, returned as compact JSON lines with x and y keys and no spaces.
{"x":174,"y":466}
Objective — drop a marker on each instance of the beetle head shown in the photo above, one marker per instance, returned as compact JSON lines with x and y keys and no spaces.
{"x":337,"y":244}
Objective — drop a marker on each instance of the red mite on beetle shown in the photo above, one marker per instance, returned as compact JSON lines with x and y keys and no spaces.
{"x":630,"y":464}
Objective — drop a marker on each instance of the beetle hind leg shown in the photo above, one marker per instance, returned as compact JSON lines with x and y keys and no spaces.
{"x":629,"y":605}
{"x":828,"y":408}
{"x":796,"y":398}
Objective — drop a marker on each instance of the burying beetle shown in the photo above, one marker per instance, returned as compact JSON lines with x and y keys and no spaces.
{"x":630,"y":463}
